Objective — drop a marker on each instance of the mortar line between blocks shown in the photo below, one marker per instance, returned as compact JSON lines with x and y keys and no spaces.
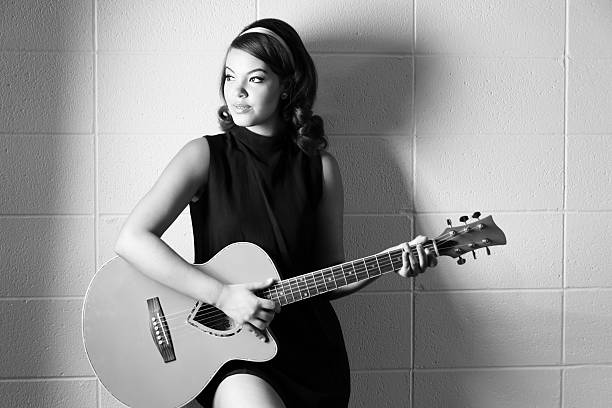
{"x":412,"y":205}
{"x":96,"y":164}
{"x":564,"y":226}
{"x":96,"y":138}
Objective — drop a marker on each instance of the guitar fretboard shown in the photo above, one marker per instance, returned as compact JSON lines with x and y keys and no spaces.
{"x":324,"y":280}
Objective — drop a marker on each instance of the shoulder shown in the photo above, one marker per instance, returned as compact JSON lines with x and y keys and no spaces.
{"x":330,"y":169}
{"x":193,"y":159}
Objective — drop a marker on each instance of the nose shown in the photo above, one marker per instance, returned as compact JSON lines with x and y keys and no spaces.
{"x":238,"y":90}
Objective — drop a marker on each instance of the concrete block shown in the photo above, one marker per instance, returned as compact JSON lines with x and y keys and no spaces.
{"x":589,"y":172}
{"x":179,"y":237}
{"x":376,"y":173}
{"x":144,"y":93}
{"x":31,"y":266}
{"x":379,"y":26}
{"x":487,"y":329}
{"x":44,"y":337}
{"x":365,"y":95}
{"x":465,"y":95}
{"x":589,"y":96}
{"x":46,"y":92}
{"x":376,"y":330}
{"x":50,"y":174}
{"x":588,"y":324}
{"x":487,"y":388}
{"x":587,"y":387}
{"x":129,"y":165}
{"x":475,"y":172}
{"x":39,"y":25}
{"x":532,"y":258}
{"x":171,"y":26}
{"x":587,"y":255}
{"x":588,"y":25}
{"x":480,"y":27}
{"x":380,"y":389}
{"x":49,"y":394}
{"x":369,"y":235}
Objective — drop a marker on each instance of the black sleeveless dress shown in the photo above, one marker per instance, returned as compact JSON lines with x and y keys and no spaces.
{"x":311,"y":367}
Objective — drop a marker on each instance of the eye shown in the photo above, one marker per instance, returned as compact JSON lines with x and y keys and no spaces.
{"x":228,"y":77}
{"x":257,"y":79}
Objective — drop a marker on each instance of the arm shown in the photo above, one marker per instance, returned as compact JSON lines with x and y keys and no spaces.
{"x":139,"y":241}
{"x":329,"y":240}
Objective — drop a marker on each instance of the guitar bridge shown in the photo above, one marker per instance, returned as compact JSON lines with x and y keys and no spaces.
{"x":160,"y":332}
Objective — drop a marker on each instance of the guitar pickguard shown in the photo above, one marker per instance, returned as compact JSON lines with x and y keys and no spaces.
{"x":211,"y":320}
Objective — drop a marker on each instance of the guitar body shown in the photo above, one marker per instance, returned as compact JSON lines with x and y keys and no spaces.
{"x":122,"y":344}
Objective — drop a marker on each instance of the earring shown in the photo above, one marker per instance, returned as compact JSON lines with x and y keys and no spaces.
{"x":284,"y":95}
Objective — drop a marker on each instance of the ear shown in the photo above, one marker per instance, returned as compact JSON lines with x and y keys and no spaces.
{"x":285,"y":85}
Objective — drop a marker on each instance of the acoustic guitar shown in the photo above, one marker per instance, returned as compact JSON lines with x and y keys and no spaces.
{"x":153,"y":347}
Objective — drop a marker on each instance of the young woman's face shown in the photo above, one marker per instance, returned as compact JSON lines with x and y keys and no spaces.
{"x":252,"y":92}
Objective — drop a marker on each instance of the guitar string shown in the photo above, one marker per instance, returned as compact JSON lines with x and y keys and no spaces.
{"x":216,"y":313}
{"x":291,"y":286}
{"x":220,"y":316}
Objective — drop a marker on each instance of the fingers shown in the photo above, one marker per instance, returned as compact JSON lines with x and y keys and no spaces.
{"x":259,"y":333}
{"x":260,"y":285}
{"x":416,"y":258}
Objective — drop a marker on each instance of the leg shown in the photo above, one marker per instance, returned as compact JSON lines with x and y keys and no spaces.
{"x":248,"y":391}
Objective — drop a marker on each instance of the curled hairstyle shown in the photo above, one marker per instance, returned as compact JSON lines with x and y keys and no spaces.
{"x":301,"y":77}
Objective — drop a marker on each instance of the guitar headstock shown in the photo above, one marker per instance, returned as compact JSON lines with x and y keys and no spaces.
{"x":468,"y":237}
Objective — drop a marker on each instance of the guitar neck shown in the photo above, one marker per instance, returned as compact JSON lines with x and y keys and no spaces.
{"x":325,"y":280}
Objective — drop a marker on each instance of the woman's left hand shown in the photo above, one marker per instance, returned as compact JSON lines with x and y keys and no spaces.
{"x":416,"y":264}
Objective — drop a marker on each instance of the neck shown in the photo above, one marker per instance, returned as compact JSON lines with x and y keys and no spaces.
{"x":325,"y":280}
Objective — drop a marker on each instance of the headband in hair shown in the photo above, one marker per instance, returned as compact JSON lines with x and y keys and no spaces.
{"x":262,"y":30}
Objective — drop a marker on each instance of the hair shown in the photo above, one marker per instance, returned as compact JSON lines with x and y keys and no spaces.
{"x":301,"y":77}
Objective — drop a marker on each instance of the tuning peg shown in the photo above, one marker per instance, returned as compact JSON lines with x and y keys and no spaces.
{"x":464,"y":219}
{"x":449,"y":222}
{"x":476,"y":215}
{"x":488,"y":251}
{"x":460,"y":261}
{"x":474,"y":254}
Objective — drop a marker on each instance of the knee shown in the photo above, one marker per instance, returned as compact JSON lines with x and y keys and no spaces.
{"x":246,"y":390}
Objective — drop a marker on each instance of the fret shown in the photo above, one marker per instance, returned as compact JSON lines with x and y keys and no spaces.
{"x":311,"y":283}
{"x":288,"y":292}
{"x":295,"y":289}
{"x":396,"y":259}
{"x":320,"y":279}
{"x":361,"y":272}
{"x":280,"y":294}
{"x":384,"y":264}
{"x":372,"y":266}
{"x":330,"y":280}
{"x":350,"y":275}
{"x":339,"y":276}
{"x":365,"y":265}
{"x":303,"y":287}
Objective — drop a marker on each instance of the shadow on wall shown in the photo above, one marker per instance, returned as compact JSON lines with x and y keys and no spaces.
{"x":47,"y":179}
{"x":367,"y":103}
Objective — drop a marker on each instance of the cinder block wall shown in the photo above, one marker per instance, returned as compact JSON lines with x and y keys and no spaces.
{"x":434,"y":109}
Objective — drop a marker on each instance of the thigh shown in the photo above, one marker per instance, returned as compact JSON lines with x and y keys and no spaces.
{"x":248,"y":391}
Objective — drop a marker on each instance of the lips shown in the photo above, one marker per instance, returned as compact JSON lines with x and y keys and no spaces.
{"x":241,"y":108}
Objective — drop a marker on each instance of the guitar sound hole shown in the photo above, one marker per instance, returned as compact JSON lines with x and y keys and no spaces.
{"x":211,"y":317}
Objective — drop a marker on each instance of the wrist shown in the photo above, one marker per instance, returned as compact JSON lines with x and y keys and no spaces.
{"x":218,"y":294}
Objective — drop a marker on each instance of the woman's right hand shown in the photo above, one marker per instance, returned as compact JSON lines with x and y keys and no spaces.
{"x":240,"y":303}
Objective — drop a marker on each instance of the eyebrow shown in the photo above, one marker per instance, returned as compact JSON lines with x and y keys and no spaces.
{"x":251,"y":71}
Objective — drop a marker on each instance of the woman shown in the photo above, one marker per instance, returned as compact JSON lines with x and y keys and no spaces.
{"x":267,"y":180}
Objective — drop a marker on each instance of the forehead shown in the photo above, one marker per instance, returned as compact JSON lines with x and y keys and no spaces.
{"x":241,"y":61}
